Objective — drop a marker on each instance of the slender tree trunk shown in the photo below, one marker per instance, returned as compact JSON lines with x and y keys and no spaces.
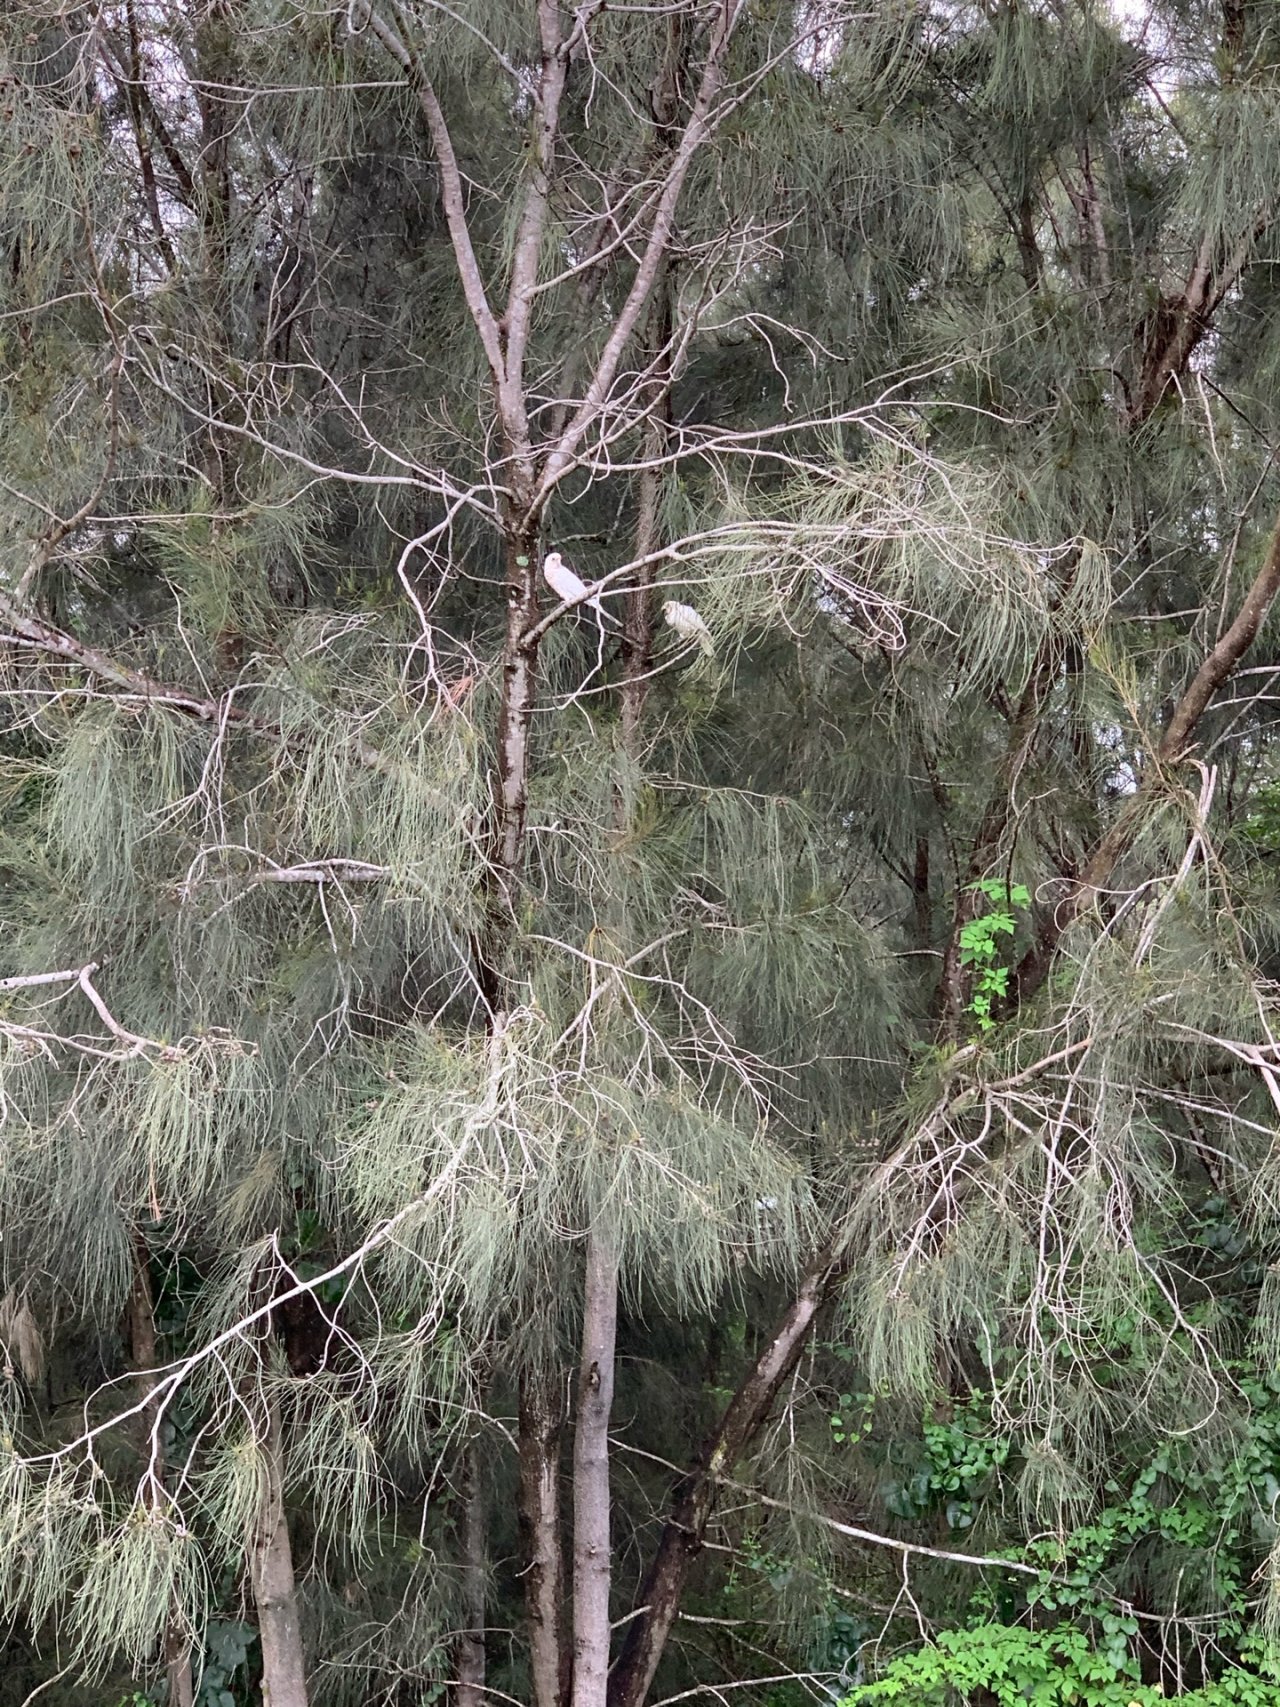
{"x":469,"y":1690}
{"x":996,"y":826}
{"x":142,"y":1336}
{"x":695,"y":1496}
{"x":540,"y":1410}
{"x":275,"y":1593}
{"x":511,"y":779}
{"x":540,"y":1425}
{"x":591,"y":1494}
{"x":921,"y":905}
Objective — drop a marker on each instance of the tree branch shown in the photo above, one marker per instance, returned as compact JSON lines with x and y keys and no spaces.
{"x":683,"y":1534}
{"x":452,"y":195}
{"x":44,"y":637}
{"x":696,"y":131}
{"x":1177,"y":739}
{"x":1179,"y":324}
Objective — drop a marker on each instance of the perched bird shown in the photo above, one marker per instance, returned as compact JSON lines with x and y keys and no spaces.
{"x":568,"y":586}
{"x":689,"y":625}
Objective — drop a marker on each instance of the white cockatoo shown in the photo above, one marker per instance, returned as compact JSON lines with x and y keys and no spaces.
{"x":688,"y":625}
{"x":571,"y":588}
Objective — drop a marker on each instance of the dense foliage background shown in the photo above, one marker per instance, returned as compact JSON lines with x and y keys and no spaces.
{"x":570,"y":1159}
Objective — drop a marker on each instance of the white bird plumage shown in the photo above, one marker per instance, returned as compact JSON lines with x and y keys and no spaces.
{"x":689,"y":625}
{"x":567,"y":586}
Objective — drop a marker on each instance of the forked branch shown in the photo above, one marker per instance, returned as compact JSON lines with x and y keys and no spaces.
{"x":1174,"y":745}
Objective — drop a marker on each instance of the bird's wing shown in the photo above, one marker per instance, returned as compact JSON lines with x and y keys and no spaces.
{"x":563,"y":582}
{"x":570,"y":588}
{"x":689,"y":624}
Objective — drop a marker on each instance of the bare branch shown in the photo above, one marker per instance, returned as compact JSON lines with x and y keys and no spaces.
{"x":695,"y":133}
{"x":452,"y":193}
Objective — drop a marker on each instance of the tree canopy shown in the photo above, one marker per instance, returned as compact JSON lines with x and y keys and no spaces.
{"x":713,"y":1134}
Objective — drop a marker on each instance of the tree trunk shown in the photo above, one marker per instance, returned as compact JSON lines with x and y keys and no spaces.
{"x":921,"y":906}
{"x":591,"y":1557}
{"x":142,"y":1337}
{"x":284,"y":1672}
{"x":591,"y":1541}
{"x":681,"y":1541}
{"x":469,"y":1689}
{"x":511,"y":779}
{"x":540,"y":1423}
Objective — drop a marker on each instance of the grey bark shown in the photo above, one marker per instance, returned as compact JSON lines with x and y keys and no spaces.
{"x":591,"y":1494}
{"x":275,"y":1592}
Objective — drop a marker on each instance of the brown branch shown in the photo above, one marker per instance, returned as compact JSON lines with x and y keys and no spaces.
{"x":146,"y":164}
{"x":685,"y":1529}
{"x":1179,"y":324}
{"x":42,"y":636}
{"x":139,"y":94}
{"x":1030,"y":259}
{"x":1173,"y":746}
{"x":539,"y":1516}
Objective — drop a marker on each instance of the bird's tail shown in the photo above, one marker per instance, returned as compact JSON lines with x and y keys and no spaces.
{"x":605,"y":615}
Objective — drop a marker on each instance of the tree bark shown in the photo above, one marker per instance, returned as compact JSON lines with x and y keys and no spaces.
{"x":591,"y":1493}
{"x":275,"y":1593}
{"x":519,"y":680}
{"x":686,"y":1524}
{"x":995,"y":824}
{"x":469,"y":1690}
{"x":142,"y":1345}
{"x":539,"y":1434}
{"x":921,"y":905}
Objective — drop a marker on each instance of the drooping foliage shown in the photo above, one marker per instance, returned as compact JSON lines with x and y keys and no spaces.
{"x":557,"y":1155}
